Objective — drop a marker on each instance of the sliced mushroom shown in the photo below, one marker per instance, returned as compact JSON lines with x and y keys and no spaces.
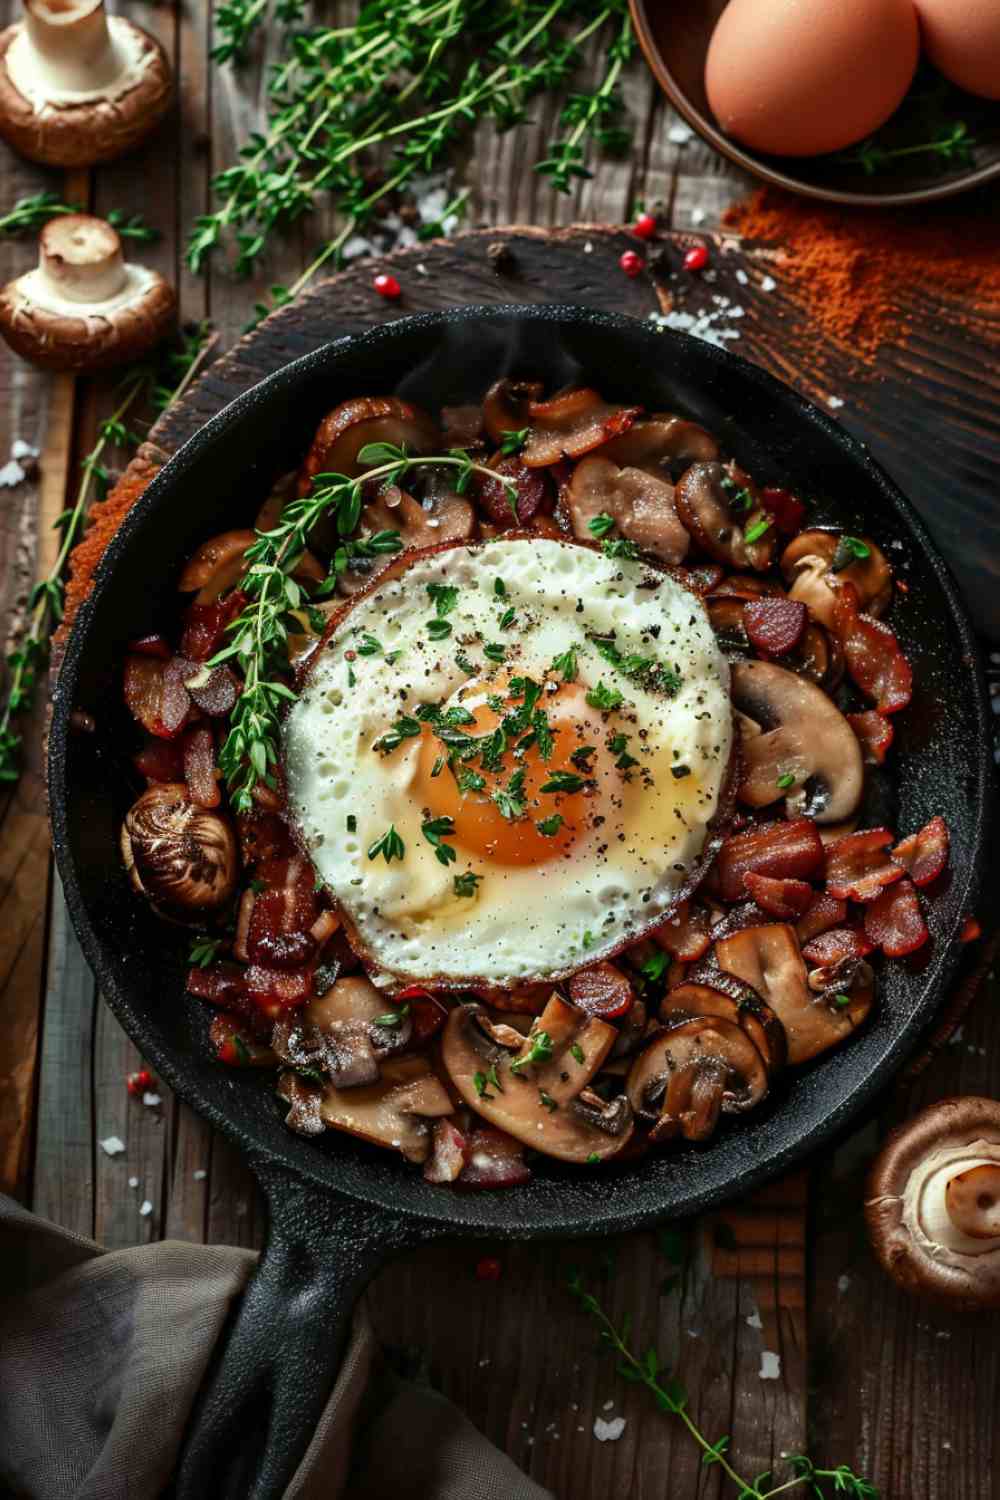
{"x":180,"y":856}
{"x":395,"y":1112}
{"x":933,"y":1207}
{"x":687,"y":1076}
{"x":78,"y":86}
{"x":641,"y":506}
{"x":573,"y":424}
{"x":816,"y":563}
{"x":720,"y":994}
{"x":354,"y":424}
{"x":662,"y":445}
{"x":83,"y":307}
{"x":218,"y":565}
{"x":442,"y":516}
{"x":705,"y":499}
{"x":768,"y":959}
{"x":795,"y":744}
{"x":345,"y":1033}
{"x":505,"y":407}
{"x":531,"y":1088}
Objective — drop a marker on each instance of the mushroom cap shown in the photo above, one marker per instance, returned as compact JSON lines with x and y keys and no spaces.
{"x":356,"y":423}
{"x":687,"y":1075}
{"x":910,"y":1204}
{"x":84,"y":134}
{"x":51,"y":326}
{"x":659,"y":443}
{"x":807,"y":566}
{"x":703,"y":496}
{"x":802,"y":734}
{"x":641,"y":504}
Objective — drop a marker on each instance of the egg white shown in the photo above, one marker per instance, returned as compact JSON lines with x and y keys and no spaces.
{"x":525,"y":922}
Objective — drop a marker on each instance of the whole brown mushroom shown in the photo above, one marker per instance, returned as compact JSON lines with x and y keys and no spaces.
{"x":78,"y":86}
{"x":933,"y":1207}
{"x":182,"y":857}
{"x":83,"y":307}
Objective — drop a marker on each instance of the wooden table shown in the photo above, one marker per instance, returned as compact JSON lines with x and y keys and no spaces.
{"x":905,"y":1393}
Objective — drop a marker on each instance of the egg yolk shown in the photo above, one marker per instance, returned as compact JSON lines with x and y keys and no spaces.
{"x":487,"y":821}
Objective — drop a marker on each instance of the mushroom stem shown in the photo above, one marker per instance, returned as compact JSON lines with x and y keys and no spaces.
{"x":972,"y":1200}
{"x":80,"y":259}
{"x":72,"y":44}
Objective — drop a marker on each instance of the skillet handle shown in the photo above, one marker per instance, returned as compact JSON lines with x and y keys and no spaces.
{"x":269,"y":1381}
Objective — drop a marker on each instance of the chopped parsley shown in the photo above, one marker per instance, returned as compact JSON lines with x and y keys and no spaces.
{"x":655,"y":967}
{"x":512,"y":440}
{"x":540,"y":1050}
{"x":479,"y":1082}
{"x":593,"y":1160}
{"x":581,"y":757}
{"x":470,"y":781}
{"x":390,"y":846}
{"x":435,"y":831}
{"x":647,"y":669}
{"x":548,"y":1101}
{"x":620,"y":548}
{"x":604,"y":698}
{"x":465,"y":885}
{"x":565,"y":665}
{"x":352,"y":823}
{"x":786,"y":779}
{"x":393,"y":1018}
{"x":850,"y":549}
{"x":759,"y":528}
{"x":495,"y":652}
{"x":549,"y":827}
{"x":601,"y":526}
{"x":563,"y":781}
{"x":507,"y":619}
{"x":437,"y":628}
{"x":842,"y":1000}
{"x":576,"y":1052}
{"x":405,"y":728}
{"x":509,"y":800}
{"x":499,"y":588}
{"x":737,"y":498}
{"x":618,"y":745}
{"x":204,"y":951}
{"x":370,"y":646}
{"x":444,"y":597}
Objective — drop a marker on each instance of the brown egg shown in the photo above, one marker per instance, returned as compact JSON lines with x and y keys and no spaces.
{"x":800,"y":77}
{"x":962,"y":38}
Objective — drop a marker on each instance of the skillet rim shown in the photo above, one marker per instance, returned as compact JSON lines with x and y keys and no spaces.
{"x":652,"y":1200}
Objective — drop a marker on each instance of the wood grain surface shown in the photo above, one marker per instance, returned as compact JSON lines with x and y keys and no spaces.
{"x":905,"y":1393}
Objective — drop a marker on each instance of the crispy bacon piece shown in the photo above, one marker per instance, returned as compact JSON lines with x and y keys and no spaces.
{"x":493,"y":1159}
{"x":859,"y":865}
{"x":278,"y":936}
{"x":573,"y":424}
{"x":199,"y":766}
{"x":875,"y":734}
{"x":160,"y":760}
{"x":532,"y":492}
{"x":427,"y":1014}
{"x":274,"y":991}
{"x":822,"y":913}
{"x":217,"y":694}
{"x":775,"y":626}
{"x":787,"y":509}
{"x":144,"y":694}
{"x":449,"y":1152}
{"x":924,"y":855}
{"x":602,"y":990}
{"x":971,"y":931}
{"x":831,"y":948}
{"x":205,"y":626}
{"x":784,"y":899}
{"x":895,"y":922}
{"x":872,"y":653}
{"x":786,"y":851}
{"x":225,"y":984}
{"x":686,"y":935}
{"x":264,"y":837}
{"x":175,"y":701}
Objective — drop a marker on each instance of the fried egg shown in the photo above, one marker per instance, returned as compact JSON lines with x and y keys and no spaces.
{"x":505,"y":759}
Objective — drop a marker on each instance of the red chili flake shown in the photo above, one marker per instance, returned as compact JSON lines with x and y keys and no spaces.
{"x":631,"y":263}
{"x":645,"y":226}
{"x":859,"y":865}
{"x":696,"y":258}
{"x":138,"y":1083}
{"x":924,"y":855}
{"x":971,"y":930}
{"x":775,"y":626}
{"x":488,"y":1269}
{"x":387,"y":286}
{"x":895,"y":922}
{"x":784,"y":899}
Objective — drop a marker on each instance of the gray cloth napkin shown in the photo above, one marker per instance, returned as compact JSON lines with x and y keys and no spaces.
{"x":102,"y":1354}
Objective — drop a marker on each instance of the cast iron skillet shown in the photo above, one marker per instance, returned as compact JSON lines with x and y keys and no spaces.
{"x":338,"y":1209}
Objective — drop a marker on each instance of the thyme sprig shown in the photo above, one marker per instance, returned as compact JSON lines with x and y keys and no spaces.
{"x":259,"y":644}
{"x":670,"y":1396}
{"x":356,"y":113}
{"x":46,"y":600}
{"x":35,"y":211}
{"x":951,"y":145}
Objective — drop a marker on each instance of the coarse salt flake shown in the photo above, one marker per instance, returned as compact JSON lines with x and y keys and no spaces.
{"x":133,"y":1182}
{"x":145,"y":1208}
{"x":112,"y":1145}
{"x":608,"y":1432}
{"x":151,"y":1101}
{"x":835,"y":402}
{"x":11,"y":474}
{"x":843,"y":1282}
{"x":768,"y":284}
{"x":679,"y":134}
{"x":753,"y":1321}
{"x":199,"y":1175}
{"x":20,"y":449}
{"x":770,"y":1365}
